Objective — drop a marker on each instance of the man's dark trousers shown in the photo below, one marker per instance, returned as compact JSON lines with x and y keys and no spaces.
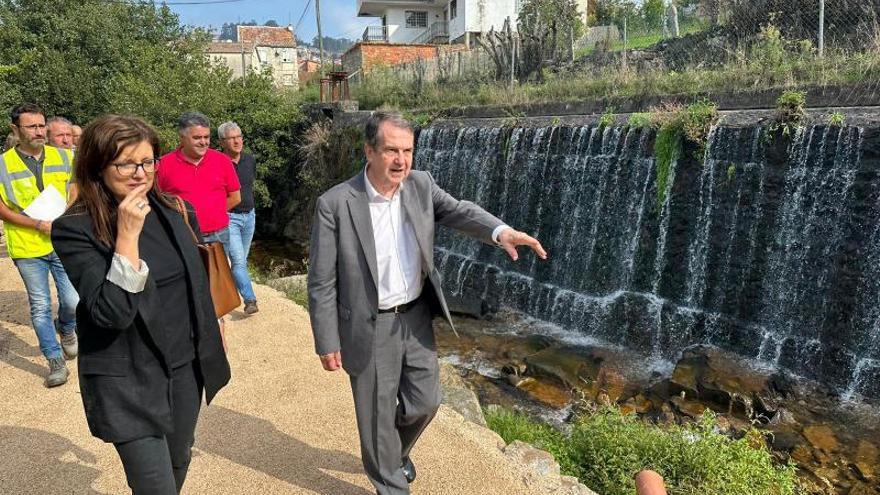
{"x":396,"y":395}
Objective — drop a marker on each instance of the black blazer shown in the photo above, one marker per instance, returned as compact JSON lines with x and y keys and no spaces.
{"x":123,"y":372}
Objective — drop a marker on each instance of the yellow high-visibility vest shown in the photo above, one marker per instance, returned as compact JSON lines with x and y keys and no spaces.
{"x":18,"y":189}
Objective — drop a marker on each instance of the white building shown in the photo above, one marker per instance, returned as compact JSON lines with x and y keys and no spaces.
{"x":435,"y":21}
{"x":259,"y":48}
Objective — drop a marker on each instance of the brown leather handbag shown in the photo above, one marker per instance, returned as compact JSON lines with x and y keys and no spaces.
{"x":223,"y":290}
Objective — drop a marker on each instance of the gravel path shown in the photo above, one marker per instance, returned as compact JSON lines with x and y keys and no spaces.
{"x":282,"y":426}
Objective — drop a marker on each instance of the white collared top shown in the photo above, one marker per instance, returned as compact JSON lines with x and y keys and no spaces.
{"x":398,"y":261}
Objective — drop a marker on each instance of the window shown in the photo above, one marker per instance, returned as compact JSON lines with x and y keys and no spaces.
{"x":416,"y":19}
{"x":453,"y":9}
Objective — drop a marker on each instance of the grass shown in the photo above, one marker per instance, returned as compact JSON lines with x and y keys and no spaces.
{"x":606,"y":449}
{"x":637,"y":39}
{"x":746,"y":72}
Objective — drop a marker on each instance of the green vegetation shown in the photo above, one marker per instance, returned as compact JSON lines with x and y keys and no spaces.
{"x":639,"y":120}
{"x":134,"y":57}
{"x":731,"y":173}
{"x":667,"y":149}
{"x":606,"y":449}
{"x":677,"y":123}
{"x":607,"y":118}
{"x":762,"y":66}
{"x":836,"y":119}
{"x":791,"y":107}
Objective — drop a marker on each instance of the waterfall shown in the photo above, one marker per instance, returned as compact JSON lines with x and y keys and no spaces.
{"x":765,"y":246}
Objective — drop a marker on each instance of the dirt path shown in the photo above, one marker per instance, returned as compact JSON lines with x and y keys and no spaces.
{"x":282,"y":426}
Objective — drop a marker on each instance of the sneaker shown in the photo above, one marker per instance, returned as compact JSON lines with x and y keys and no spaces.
{"x":250,"y":307}
{"x":57,"y":372}
{"x":70,"y":345}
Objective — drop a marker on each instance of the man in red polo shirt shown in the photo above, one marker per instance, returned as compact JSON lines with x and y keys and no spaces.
{"x":203,"y":176}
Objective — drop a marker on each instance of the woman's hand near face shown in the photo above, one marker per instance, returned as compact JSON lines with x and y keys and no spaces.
{"x":132,"y":211}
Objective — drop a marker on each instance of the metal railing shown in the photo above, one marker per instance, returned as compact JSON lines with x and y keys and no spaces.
{"x":437,"y":32}
{"x":376,"y":33}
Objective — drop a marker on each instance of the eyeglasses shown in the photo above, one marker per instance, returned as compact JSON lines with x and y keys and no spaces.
{"x":233,"y":138}
{"x":33,"y":127}
{"x":130,"y":169}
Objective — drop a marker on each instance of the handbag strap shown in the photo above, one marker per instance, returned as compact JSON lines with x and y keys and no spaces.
{"x":181,"y":208}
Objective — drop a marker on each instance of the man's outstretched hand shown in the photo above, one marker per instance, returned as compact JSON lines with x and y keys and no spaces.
{"x":332,"y":361}
{"x":511,"y":238}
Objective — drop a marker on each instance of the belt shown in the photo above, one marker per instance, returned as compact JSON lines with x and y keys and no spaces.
{"x":402,"y":308}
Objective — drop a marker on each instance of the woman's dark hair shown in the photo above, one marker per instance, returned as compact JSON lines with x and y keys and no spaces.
{"x":101,"y":143}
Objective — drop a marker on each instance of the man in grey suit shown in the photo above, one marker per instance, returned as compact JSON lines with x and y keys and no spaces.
{"x":373,"y":289}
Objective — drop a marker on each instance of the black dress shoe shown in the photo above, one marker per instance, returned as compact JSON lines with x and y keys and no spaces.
{"x":409,"y":469}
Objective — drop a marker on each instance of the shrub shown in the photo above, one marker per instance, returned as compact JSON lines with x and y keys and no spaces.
{"x":607,"y":118}
{"x":791,"y":107}
{"x":607,"y":448}
{"x":639,"y":120}
{"x":836,"y":119}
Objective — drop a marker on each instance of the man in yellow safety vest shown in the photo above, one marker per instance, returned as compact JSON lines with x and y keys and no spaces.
{"x":25,"y":172}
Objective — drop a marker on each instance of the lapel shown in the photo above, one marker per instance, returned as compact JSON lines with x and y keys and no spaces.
{"x":359,"y":209}
{"x":409,"y":198}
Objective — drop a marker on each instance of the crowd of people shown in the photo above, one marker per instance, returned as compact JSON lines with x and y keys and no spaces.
{"x":45,"y":152}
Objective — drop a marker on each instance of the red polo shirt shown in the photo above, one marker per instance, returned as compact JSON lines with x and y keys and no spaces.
{"x":205,"y":185}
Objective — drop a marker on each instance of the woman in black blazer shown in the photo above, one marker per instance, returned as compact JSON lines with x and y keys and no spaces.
{"x":149,"y":340}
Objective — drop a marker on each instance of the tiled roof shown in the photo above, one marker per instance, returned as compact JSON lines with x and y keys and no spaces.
{"x":229,"y":47}
{"x":281,"y":37}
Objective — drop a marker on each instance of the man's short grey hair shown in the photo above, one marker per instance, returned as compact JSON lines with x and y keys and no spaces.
{"x":58,"y":119}
{"x":225,"y":127}
{"x":376,"y":119}
{"x":192,"y":119}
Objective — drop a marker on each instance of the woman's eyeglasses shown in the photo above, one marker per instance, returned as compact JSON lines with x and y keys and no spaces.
{"x":130,"y":169}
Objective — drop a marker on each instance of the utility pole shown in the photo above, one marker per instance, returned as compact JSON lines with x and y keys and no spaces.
{"x":320,"y":36}
{"x":821,"y":28}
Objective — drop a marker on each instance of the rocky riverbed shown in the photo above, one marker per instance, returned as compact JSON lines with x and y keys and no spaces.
{"x":525,"y":364}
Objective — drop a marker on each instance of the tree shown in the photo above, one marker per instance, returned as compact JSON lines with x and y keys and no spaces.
{"x":653,"y":12}
{"x":134,"y":58}
{"x":229,"y":31}
{"x":271,"y":23}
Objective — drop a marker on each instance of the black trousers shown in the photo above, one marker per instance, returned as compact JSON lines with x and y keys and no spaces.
{"x":158,"y":465}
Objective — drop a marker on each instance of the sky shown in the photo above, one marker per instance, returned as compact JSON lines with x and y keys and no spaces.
{"x":338,"y":17}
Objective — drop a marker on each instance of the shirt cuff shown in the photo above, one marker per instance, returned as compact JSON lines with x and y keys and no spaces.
{"x":123,"y":274}
{"x":497,"y":232}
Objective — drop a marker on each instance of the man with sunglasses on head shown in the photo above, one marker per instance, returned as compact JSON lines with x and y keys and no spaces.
{"x":26,"y":171}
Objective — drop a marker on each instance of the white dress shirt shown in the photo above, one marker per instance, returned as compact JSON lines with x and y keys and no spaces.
{"x":398,"y":261}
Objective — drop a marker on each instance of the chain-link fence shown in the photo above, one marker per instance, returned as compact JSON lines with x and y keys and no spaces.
{"x":679,"y":34}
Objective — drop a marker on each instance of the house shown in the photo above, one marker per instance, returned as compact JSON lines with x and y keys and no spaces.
{"x":434,"y":21}
{"x":259,"y":48}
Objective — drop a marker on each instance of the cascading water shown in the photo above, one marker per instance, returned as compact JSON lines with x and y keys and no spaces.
{"x":764,"y":246}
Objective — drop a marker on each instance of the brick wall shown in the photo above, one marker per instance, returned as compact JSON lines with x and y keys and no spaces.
{"x":369,"y":55}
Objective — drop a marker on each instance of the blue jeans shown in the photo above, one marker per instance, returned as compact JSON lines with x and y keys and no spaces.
{"x":241,"y":233}
{"x":35,"y":273}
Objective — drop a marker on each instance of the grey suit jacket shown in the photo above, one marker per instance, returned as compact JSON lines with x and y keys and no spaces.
{"x":343,"y":294}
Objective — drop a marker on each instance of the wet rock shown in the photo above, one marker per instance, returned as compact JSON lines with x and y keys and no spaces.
{"x":785,"y":440}
{"x":714,"y":376}
{"x":570,"y":367}
{"x":822,"y":438}
{"x":545,"y":392}
{"x":689,"y":408}
{"x":469,"y":306}
{"x":613,"y":383}
{"x":458,"y":396}
{"x":802,"y":455}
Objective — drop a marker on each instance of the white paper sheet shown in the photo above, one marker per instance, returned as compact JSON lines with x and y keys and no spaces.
{"x":48,"y":206}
